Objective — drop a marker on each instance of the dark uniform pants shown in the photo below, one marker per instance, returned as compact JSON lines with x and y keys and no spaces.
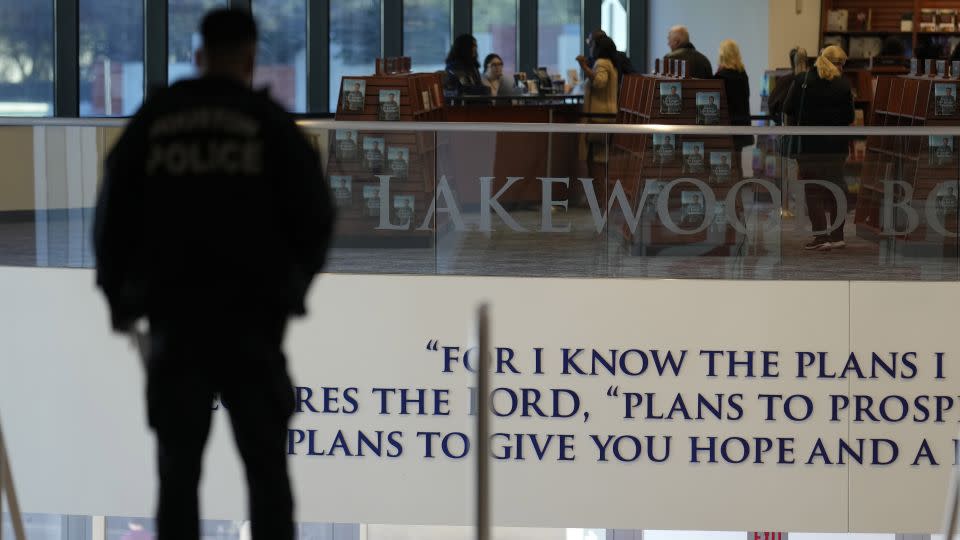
{"x":241,"y":359}
{"x":820,"y":201}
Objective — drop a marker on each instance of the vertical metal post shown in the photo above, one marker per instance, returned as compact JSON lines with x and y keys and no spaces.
{"x":950,"y":517}
{"x":6,"y":484}
{"x":66,"y":37}
{"x":239,"y":4}
{"x":638,"y":17}
{"x":155,"y":45}
{"x":483,"y":424}
{"x":589,"y":17}
{"x":462,"y":17}
{"x":527,"y":27}
{"x":318,"y":56}
{"x":391,"y":28}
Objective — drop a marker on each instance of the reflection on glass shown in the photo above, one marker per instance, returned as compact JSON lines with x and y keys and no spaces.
{"x":137,"y":528}
{"x":183,"y":34}
{"x":354,"y":41}
{"x":495,"y":27}
{"x":559,"y":38}
{"x":523,"y":204}
{"x":426,"y":33}
{"x":613,"y":21}
{"x":26,"y":58}
{"x":111,"y":57}
{"x":281,"y":52}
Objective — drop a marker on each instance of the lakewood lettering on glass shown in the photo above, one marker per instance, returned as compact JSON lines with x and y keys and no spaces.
{"x":697,"y":196}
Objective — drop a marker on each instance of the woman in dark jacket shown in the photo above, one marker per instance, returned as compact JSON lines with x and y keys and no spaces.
{"x":463,"y":70}
{"x":823,"y":97}
{"x":799,"y":64}
{"x":737,"y":85}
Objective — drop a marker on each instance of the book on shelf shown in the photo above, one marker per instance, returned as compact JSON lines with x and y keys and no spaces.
{"x":693,"y":158}
{"x":837,"y":20}
{"x":928,"y":20}
{"x":834,"y":40}
{"x":859,"y":152}
{"x":940,"y":150}
{"x":342,"y":190}
{"x":906,"y":22}
{"x":865,"y":47}
{"x":947,"y":20}
{"x":859,"y":19}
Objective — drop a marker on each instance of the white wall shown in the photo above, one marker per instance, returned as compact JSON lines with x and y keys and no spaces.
{"x":789,"y":29}
{"x":710,"y":22}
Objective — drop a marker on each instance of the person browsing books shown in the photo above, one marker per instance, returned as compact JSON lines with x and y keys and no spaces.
{"x":737,"y":87}
{"x":462,"y":76}
{"x":600,"y":98}
{"x":822,"y":97}
{"x":698,"y":66}
{"x":799,"y":65}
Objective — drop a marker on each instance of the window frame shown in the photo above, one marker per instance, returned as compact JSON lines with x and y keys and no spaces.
{"x":156,"y":15}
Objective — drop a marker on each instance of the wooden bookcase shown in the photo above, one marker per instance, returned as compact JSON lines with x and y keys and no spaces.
{"x":885,"y":18}
{"x":634,"y":162}
{"x":909,"y":101}
{"x":356,"y":226}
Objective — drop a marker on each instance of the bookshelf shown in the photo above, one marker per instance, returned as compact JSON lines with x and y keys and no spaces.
{"x":884,"y":18}
{"x":409,"y":157}
{"x":637,"y":163}
{"x":911,"y":101}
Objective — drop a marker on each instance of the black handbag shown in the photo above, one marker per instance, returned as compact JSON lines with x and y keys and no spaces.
{"x":794,"y":144}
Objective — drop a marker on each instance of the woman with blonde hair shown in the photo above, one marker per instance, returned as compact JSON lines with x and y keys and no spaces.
{"x":823,"y":97}
{"x":737,"y":85}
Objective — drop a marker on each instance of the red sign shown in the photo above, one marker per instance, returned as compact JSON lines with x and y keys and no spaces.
{"x":766,"y":535}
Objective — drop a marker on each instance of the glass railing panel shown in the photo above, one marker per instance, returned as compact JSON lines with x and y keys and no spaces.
{"x":382,"y":183}
{"x":564,"y":200}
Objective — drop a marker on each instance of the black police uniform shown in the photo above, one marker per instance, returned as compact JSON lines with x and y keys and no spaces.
{"x":212,"y":221}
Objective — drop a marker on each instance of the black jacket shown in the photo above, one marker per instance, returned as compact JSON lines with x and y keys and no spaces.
{"x":778,"y":97}
{"x":825,"y":103}
{"x":463,"y":80}
{"x":737,"y":87}
{"x":213,"y":202}
{"x":697,"y":64}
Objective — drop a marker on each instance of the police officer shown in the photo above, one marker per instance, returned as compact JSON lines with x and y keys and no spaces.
{"x":212,"y":221}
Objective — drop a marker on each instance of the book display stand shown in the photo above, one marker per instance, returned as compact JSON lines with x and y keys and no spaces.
{"x":357,"y":159}
{"x":927,"y":164}
{"x":646,"y":163}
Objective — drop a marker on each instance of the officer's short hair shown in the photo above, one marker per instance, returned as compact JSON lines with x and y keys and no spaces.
{"x":225,"y":28}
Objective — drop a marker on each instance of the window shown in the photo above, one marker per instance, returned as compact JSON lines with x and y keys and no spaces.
{"x":26,"y":58}
{"x":282,"y":51}
{"x":495,"y":27}
{"x":354,"y":41}
{"x":613,"y":21}
{"x":559,"y":37}
{"x":183,"y":34}
{"x":111,"y":57}
{"x":426,"y":33}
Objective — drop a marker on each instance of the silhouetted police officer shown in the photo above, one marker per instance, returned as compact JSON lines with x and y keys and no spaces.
{"x":212,"y":221}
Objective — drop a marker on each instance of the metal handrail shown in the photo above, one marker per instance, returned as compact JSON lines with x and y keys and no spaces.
{"x":314,"y":125}
{"x":6,"y":485}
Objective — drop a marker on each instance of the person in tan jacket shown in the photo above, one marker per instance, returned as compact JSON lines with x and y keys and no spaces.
{"x":601,"y":83}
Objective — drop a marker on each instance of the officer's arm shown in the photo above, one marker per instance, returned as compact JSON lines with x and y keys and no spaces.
{"x":118,"y":225}
{"x":310,"y":204}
